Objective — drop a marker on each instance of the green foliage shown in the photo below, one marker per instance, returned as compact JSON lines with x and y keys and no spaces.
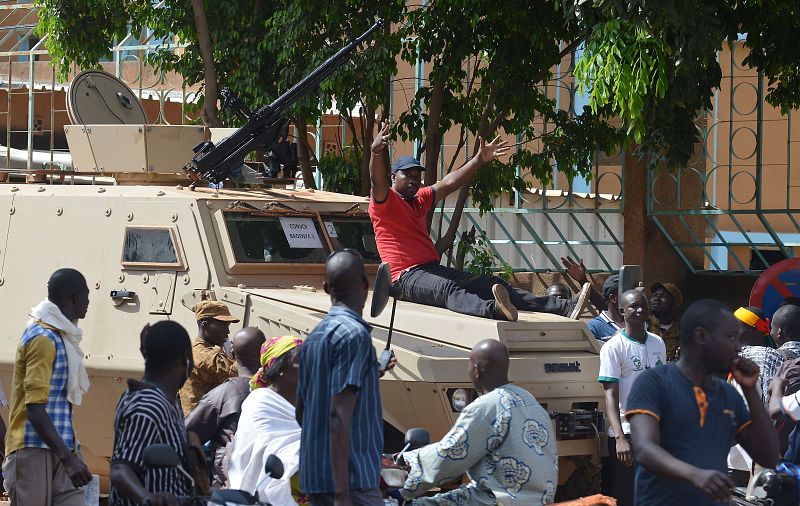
{"x":341,"y":174}
{"x":482,"y":258}
{"x":623,"y":65}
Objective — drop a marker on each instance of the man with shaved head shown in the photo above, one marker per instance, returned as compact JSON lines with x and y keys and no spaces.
{"x":503,"y":440}
{"x":338,"y":399}
{"x":216,"y":416}
{"x":786,"y":330}
{"x":629,"y":352}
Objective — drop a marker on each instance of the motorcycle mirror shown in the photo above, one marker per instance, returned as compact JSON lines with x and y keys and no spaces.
{"x":417,"y":438}
{"x":274,"y":467}
{"x":629,"y":278}
{"x":160,"y":456}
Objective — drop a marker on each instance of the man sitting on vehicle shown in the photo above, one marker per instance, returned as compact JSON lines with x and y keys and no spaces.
{"x":502,"y":440}
{"x":399,"y":216}
{"x":148,"y":413}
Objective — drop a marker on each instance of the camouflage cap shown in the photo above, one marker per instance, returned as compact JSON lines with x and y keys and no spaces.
{"x":672,"y":289}
{"x":213,"y":309}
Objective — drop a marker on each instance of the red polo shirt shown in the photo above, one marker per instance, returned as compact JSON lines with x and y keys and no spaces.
{"x":401,"y":230}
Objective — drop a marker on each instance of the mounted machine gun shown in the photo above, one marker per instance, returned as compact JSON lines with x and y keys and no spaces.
{"x":265,"y":126}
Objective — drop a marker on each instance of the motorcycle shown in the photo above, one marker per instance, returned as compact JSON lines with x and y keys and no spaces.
{"x":162,"y":456}
{"x":770,"y":487}
{"x":393,"y":475}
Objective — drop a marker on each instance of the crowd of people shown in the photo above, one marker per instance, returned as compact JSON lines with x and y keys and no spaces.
{"x":679,"y":391}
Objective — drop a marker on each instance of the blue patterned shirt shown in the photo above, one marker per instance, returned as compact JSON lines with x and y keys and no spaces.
{"x":58,"y":407}
{"x":339,"y":354}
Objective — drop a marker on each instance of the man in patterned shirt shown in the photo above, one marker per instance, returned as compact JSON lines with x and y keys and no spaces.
{"x":43,"y":466}
{"x":786,"y":331}
{"x":502,"y":440}
{"x":148,"y":413}
{"x":768,"y":359}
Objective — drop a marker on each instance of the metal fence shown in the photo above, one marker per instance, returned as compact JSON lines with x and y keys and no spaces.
{"x":735,"y":207}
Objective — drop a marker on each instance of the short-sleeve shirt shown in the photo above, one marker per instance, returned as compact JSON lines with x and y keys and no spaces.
{"x":145,"y":417}
{"x":769,"y":361}
{"x":697,"y":426}
{"x":336,"y":355}
{"x":622,"y":360}
{"x":401,"y":230}
{"x":602,"y":327}
{"x":216,"y":418}
{"x":40,"y":377}
{"x":211,"y":368}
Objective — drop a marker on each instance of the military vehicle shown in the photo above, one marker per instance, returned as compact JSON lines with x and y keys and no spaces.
{"x":151,"y":246}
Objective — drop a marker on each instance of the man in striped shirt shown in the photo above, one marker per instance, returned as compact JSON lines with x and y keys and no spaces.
{"x":149,"y":413}
{"x":338,"y":399}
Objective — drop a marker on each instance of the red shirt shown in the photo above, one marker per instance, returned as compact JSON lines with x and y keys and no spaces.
{"x":401,"y":230}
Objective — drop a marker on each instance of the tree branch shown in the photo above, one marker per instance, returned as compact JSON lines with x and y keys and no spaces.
{"x":304,"y":152}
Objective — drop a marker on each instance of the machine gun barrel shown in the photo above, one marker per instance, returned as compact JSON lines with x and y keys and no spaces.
{"x":263,"y":127}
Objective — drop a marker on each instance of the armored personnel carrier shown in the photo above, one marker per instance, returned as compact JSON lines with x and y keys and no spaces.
{"x":151,"y":246}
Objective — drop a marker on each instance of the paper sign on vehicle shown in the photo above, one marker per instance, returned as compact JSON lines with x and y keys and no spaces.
{"x":300,"y":232}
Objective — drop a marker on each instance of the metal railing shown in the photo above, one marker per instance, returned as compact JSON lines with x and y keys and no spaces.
{"x":736,"y":206}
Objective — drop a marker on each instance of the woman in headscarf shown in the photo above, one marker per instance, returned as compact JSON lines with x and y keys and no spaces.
{"x":267,"y":426}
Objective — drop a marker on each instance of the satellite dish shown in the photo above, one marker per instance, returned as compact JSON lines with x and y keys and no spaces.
{"x":380,"y":292}
{"x":98,"y":98}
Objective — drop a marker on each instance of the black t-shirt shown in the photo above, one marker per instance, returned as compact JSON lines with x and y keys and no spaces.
{"x":144,"y":417}
{"x":697,"y":426}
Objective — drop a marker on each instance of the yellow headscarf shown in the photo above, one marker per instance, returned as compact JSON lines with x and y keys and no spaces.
{"x":271,"y":351}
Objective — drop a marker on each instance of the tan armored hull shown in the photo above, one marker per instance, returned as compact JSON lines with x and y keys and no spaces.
{"x":151,"y":252}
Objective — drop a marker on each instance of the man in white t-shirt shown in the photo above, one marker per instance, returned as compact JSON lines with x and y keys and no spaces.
{"x":631,"y":351}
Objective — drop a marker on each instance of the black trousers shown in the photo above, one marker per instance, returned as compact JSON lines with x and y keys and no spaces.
{"x":436,"y":285}
{"x":622,"y":476}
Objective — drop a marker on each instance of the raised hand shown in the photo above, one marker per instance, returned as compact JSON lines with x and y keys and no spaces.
{"x":576,"y":270}
{"x":381,"y":139}
{"x":492,"y":150}
{"x":745,"y":372}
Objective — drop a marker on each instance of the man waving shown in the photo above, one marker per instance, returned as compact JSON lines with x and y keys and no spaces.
{"x":399,"y":216}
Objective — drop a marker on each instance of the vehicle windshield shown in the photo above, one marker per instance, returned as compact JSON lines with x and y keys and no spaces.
{"x":353,"y":233}
{"x":273,"y":239}
{"x":298,"y":239}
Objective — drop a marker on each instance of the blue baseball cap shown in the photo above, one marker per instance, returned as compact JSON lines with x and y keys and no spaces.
{"x":406,"y":162}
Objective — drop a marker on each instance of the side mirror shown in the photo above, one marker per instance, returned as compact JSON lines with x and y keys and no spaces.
{"x":160,"y":456}
{"x":274,"y":467}
{"x":417,"y":438}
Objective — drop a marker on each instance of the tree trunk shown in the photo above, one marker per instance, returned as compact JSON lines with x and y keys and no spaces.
{"x":209,"y":72}
{"x":446,"y":241}
{"x":433,"y":135}
{"x":368,"y":118}
{"x":304,"y":153}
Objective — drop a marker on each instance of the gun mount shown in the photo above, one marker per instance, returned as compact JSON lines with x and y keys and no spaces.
{"x":265,"y":126}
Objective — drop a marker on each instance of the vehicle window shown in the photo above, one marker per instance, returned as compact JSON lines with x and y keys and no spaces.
{"x":151,"y":246}
{"x":273,"y":239}
{"x":353,"y":233}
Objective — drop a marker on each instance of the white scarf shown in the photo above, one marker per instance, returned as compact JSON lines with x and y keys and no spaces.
{"x":266,"y":426}
{"x":77,"y":379}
